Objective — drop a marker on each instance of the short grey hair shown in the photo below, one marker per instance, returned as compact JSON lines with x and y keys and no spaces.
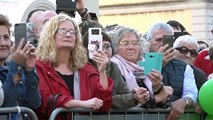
{"x":120,"y":33}
{"x":111,"y":30}
{"x":156,"y":27}
{"x":188,"y":39}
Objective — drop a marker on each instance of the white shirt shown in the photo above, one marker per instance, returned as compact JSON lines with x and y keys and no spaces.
{"x":189,"y":85}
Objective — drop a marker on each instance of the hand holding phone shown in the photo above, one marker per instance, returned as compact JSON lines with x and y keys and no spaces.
{"x":95,"y":41}
{"x":20,"y":31}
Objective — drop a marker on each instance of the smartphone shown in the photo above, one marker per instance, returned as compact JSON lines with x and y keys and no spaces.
{"x":95,"y":41}
{"x":93,"y":16}
{"x":168,"y":39}
{"x":20,"y":31}
{"x":153,"y":60}
{"x":66,"y":6}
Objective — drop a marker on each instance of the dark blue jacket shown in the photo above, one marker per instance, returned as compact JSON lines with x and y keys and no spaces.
{"x":25,"y":93}
{"x":173,"y":75}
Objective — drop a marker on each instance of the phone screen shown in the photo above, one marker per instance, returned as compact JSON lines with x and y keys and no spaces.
{"x":20,"y":32}
{"x":95,"y":32}
{"x":168,"y":39}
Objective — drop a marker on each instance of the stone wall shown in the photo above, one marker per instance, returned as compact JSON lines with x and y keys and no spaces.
{"x":195,"y":15}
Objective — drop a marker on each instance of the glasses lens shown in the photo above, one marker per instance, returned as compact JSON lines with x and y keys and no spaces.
{"x":135,"y":43}
{"x":193,"y":53}
{"x":127,"y":43}
{"x":106,"y":46}
{"x":73,"y":32}
{"x":124,"y":43}
{"x":183,"y":50}
{"x":62,"y":32}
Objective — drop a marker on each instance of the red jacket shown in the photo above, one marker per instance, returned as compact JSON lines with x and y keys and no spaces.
{"x":203,"y":62}
{"x":51,"y":84}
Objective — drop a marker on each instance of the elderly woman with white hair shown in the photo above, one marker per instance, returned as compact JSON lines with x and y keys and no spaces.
{"x":127,"y":44}
{"x":186,"y":49}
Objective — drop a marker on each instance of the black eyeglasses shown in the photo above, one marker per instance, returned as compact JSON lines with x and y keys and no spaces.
{"x":63,"y":32}
{"x":185,"y":50}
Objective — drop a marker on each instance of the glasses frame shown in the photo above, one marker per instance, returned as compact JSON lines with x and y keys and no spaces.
{"x":71,"y":31}
{"x":193,"y":53}
{"x":109,"y":46}
{"x":122,"y":43}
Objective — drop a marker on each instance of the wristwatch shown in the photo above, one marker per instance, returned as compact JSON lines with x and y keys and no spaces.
{"x":187,"y":102}
{"x":84,"y":13}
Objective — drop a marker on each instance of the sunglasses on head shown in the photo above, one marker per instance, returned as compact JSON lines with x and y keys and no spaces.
{"x":185,"y":50}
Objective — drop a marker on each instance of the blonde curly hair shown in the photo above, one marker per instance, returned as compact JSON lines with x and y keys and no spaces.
{"x":47,"y":50}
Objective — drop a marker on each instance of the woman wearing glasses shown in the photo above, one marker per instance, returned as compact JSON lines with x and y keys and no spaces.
{"x":127,"y":53}
{"x":122,"y":97}
{"x":65,"y":78}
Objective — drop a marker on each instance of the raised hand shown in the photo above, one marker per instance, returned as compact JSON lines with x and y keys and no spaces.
{"x":168,"y":54}
{"x":101,"y":59}
{"x":19,"y":55}
{"x":155,"y":77}
{"x":31,"y":58}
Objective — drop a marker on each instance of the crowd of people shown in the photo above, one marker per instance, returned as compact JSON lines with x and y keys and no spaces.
{"x":58,"y":72}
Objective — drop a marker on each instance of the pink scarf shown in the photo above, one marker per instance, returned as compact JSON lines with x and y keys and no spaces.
{"x":128,"y":69}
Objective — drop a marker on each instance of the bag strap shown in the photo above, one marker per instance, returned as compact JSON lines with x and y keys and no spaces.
{"x":47,"y":108}
{"x":54,"y":98}
{"x":54,"y":101}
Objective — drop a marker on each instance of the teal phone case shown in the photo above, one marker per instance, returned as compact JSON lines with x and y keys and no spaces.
{"x":152,"y":61}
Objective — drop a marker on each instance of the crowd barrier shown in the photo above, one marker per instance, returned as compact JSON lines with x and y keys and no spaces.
{"x":135,"y":113}
{"x":6,"y":112}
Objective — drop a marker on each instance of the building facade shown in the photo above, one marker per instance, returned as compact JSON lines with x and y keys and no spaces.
{"x":195,"y":15}
{"x":17,"y":10}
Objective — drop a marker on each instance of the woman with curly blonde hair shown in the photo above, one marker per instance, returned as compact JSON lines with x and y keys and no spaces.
{"x":47,"y":49}
{"x":66,"y":80}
